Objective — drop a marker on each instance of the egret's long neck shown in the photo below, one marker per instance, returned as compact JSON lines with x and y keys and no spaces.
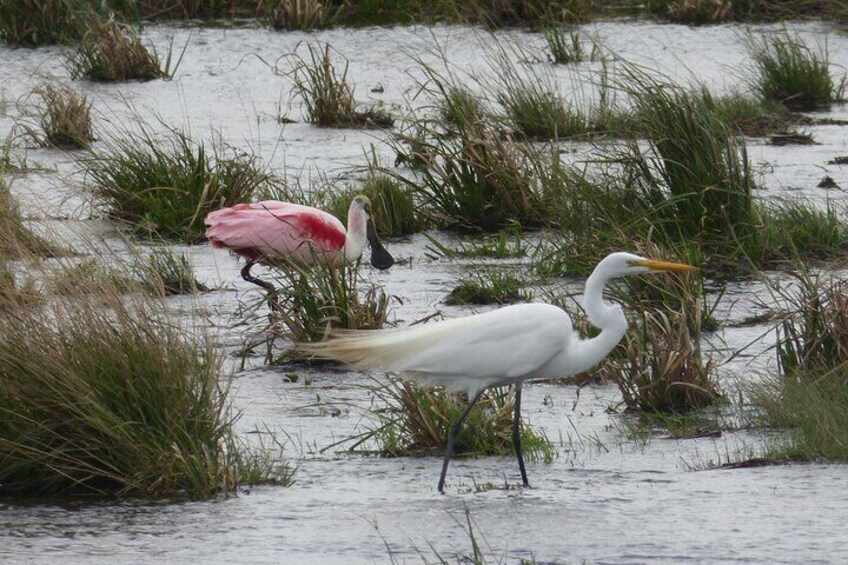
{"x":356,"y":235}
{"x":610,"y":319}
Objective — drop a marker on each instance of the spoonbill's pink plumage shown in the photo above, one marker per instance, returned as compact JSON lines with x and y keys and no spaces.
{"x":268,"y":230}
{"x":272,"y":229}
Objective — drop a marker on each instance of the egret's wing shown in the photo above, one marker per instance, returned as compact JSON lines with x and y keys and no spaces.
{"x":463,"y":353}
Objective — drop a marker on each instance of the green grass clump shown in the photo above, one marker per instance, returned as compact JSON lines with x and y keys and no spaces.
{"x":531,"y":101}
{"x":101,"y":394}
{"x":64,"y":118}
{"x":662,"y":369}
{"x":393,"y":207}
{"x":794,"y":227}
{"x":477,"y":180}
{"x":111,"y":51}
{"x":75,"y":277}
{"x":459,"y":108}
{"x":164,"y":187}
{"x":43,"y":22}
{"x":488,"y":286}
{"x":809,"y":397}
{"x":328,"y":97}
{"x":310,"y":301}
{"x":786,"y":70}
{"x":750,"y":115}
{"x":416,"y":419}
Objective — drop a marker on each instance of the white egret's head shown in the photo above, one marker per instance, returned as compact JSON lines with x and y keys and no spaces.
{"x":622,"y":263}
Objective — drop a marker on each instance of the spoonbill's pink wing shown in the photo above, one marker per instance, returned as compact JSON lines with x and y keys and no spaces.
{"x":277,"y":229}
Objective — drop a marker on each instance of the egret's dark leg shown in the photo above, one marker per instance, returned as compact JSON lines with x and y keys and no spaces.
{"x":516,"y":433}
{"x":452,"y":433}
{"x":245,"y":274}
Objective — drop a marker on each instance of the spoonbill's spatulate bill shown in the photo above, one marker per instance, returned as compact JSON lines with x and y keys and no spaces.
{"x":271,"y":229}
{"x":501,"y":347}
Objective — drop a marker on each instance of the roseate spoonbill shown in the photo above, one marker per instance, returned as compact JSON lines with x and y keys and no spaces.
{"x":268,"y":230}
{"x":496,"y":348}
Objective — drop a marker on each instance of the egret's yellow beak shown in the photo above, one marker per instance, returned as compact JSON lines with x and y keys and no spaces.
{"x":665,"y":266}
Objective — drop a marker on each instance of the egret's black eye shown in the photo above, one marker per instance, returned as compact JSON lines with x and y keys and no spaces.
{"x":367,"y":208}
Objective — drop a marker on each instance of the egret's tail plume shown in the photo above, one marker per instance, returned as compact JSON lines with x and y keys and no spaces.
{"x":357,"y":349}
{"x":399,"y":349}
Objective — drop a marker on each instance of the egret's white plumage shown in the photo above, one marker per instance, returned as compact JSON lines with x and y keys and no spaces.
{"x":504,"y":346}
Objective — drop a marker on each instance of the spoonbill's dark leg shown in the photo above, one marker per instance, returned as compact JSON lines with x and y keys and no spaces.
{"x":452,"y":433}
{"x":245,"y":274}
{"x":516,"y":433}
{"x":273,"y":303}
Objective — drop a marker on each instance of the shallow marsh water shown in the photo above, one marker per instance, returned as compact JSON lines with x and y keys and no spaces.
{"x":605,"y":498}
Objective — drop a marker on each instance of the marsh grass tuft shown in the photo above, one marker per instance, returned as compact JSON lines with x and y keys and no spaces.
{"x":809,"y":395}
{"x":43,"y":22}
{"x":327,"y":95}
{"x":310,"y":301}
{"x":112,"y":51}
{"x":662,"y":370}
{"x":164,"y":186}
{"x":795,"y":227}
{"x":102,"y":394}
{"x":488,"y":286}
{"x":76,"y":276}
{"x":786,"y":70}
{"x":532,"y":102}
{"x":477,"y":180}
{"x":460,"y":108}
{"x":565,"y":46}
{"x":415,"y":421}
{"x":63,"y":116}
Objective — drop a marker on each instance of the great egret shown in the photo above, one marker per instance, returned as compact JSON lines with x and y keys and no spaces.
{"x":496,"y":348}
{"x":271,"y":229}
